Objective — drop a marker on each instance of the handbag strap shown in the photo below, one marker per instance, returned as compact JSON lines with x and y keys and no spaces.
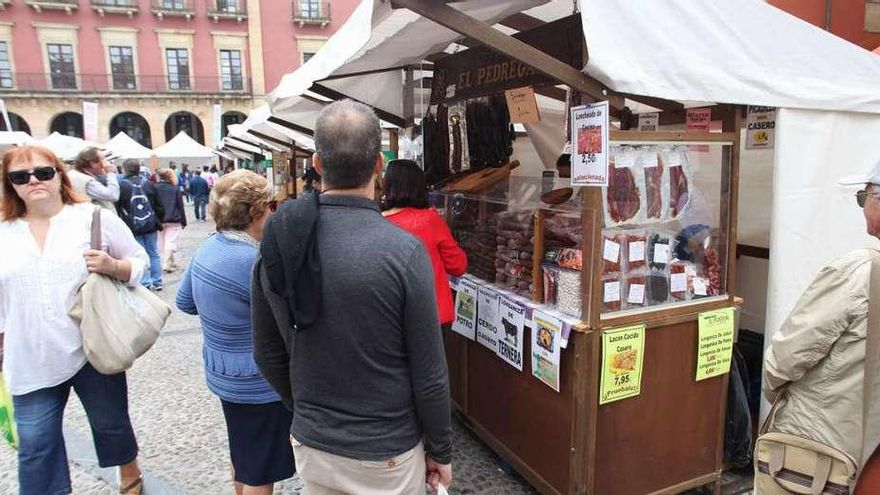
{"x":96,"y":229}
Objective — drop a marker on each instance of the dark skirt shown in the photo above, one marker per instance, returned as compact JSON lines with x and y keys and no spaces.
{"x":259,"y":442}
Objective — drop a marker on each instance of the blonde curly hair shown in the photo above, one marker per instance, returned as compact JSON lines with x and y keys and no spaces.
{"x":239,"y":198}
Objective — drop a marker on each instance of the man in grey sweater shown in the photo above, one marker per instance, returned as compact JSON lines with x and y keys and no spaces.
{"x":345,"y":327}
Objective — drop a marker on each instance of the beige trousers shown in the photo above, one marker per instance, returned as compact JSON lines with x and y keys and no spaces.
{"x":328,"y":474}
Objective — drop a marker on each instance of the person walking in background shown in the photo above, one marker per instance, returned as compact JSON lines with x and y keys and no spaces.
{"x":173,"y":219}
{"x":140,"y":209}
{"x":337,"y":283}
{"x":95,"y":178}
{"x":198,"y":188}
{"x":45,"y":237}
{"x":815,"y":362}
{"x":216,"y":287}
{"x":406,"y":205}
{"x":183,"y":179}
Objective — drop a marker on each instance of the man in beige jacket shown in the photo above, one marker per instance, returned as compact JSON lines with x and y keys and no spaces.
{"x":817,"y":357}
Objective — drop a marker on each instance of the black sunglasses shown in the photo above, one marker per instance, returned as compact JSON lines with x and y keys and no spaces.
{"x":22,"y":177}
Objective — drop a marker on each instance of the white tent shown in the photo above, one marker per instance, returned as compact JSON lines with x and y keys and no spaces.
{"x":184,"y":150}
{"x":65,"y":147}
{"x":121,"y":146}
{"x":10,"y":139}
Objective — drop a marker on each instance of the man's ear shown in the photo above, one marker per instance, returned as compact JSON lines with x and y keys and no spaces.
{"x":316,"y":162}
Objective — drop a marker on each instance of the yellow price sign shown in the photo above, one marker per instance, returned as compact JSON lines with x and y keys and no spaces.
{"x":623,"y":352}
{"x":715,"y":343}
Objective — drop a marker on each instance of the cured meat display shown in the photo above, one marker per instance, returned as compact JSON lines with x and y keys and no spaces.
{"x":623,"y":200}
{"x":654,"y":190}
{"x":513,"y":259}
{"x":678,"y":191}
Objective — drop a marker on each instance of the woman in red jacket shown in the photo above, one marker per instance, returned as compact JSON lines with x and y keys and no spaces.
{"x":405,"y":203}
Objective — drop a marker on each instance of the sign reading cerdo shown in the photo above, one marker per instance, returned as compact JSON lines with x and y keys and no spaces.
{"x":482,"y":71}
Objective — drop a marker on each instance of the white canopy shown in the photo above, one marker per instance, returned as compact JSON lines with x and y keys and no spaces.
{"x":65,"y":147}
{"x":122,"y":146}
{"x":182,"y":148}
{"x":9,"y":139}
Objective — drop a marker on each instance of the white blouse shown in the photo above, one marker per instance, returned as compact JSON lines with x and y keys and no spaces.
{"x":42,"y":344}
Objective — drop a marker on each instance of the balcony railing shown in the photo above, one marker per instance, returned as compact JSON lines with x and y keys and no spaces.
{"x":228,"y":9}
{"x":173,"y":8}
{"x":66,"y":5}
{"x":313,"y":13}
{"x":124,"y":7}
{"x":125,"y":83}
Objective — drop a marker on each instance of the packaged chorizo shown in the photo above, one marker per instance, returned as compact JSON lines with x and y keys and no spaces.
{"x":611,"y":255}
{"x":611,"y":293}
{"x":635,"y":290}
{"x":659,"y":249}
{"x":635,"y":250}
{"x":681,"y":274}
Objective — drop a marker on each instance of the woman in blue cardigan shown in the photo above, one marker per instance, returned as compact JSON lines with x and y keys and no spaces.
{"x":217,"y":288}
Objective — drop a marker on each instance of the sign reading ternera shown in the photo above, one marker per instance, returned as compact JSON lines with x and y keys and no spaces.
{"x":482,"y":71}
{"x":623,"y":351}
{"x":510,"y":340}
{"x":715,"y":343}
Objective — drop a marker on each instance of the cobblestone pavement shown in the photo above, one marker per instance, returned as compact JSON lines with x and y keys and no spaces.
{"x":180,"y":425}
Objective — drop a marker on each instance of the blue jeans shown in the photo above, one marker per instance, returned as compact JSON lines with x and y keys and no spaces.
{"x":153,"y":276}
{"x":42,"y":458}
{"x":199,"y":203}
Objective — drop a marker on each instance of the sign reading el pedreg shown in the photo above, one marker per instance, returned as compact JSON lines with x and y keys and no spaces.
{"x":510,"y":340}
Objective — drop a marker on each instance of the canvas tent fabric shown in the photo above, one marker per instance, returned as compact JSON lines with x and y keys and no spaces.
{"x":10,"y":139}
{"x":122,"y":147}
{"x":183,"y":148}
{"x":65,"y":147}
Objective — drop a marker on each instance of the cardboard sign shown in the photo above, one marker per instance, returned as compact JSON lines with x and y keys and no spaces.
{"x":623,"y":352}
{"x":465,"y":321}
{"x":522,"y":105}
{"x":488,"y":321}
{"x":510,"y":340}
{"x":715,"y":343}
{"x":699,"y":120}
{"x":546,"y":351}
{"x":589,"y":131}
{"x":649,"y":122}
{"x":760,"y":127}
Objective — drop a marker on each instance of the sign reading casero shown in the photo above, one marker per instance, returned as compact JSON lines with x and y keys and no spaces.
{"x":482,"y":71}
{"x":623,"y":351}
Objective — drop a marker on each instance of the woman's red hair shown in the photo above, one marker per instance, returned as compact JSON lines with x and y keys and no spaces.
{"x":12,"y":207}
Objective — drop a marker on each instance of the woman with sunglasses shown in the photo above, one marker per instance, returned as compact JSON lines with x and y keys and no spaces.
{"x":814,"y":366}
{"x":216,"y":287}
{"x":46,"y":226}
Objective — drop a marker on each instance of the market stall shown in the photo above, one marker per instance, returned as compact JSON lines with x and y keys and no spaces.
{"x":184,"y":150}
{"x":122,"y":147}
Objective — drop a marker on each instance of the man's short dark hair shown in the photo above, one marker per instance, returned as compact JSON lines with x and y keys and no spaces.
{"x":198,"y":172}
{"x":131,"y":167}
{"x":347,"y":139}
{"x":404,"y":185}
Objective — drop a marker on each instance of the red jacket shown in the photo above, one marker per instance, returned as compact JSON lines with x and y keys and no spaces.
{"x":446,"y":256}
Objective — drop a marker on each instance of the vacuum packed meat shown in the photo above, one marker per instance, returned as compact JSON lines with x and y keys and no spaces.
{"x":654,"y":190}
{"x":678,"y":191}
{"x":622,"y":195}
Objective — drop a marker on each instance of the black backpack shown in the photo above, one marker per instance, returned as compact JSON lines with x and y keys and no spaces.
{"x":140,"y":211}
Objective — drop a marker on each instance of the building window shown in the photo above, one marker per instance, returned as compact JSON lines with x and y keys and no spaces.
{"x":872,"y":16}
{"x":310,"y":9}
{"x":230,"y":70}
{"x":184,"y":122}
{"x":230,"y":118}
{"x":61,"y":66}
{"x":307,"y":56}
{"x":178,"y":68}
{"x":134,"y":125}
{"x":69,"y":124}
{"x":18,"y":124}
{"x":122,"y":67}
{"x":227,"y":6}
{"x":5,"y":66}
{"x":174,"y":4}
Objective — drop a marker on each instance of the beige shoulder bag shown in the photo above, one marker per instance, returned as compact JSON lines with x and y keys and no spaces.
{"x":787,"y":464}
{"x":118,"y":323}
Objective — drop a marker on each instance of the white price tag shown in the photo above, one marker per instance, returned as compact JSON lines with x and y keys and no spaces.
{"x":661,"y":253}
{"x":611,"y":251}
{"x":701,"y":286}
{"x":691,"y":270}
{"x":637,"y":251}
{"x":648,"y":158}
{"x":624,"y":157}
{"x":636,"y":294}
{"x":678,"y":282}
{"x":612,"y":292}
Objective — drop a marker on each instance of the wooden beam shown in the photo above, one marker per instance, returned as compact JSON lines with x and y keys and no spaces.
{"x":409,"y":97}
{"x":659,"y":103}
{"x":467,"y":26}
{"x":292,"y":126}
{"x":314,"y":100}
{"x":245,"y":142}
{"x":336,"y":95}
{"x":521,"y":22}
{"x":558,"y":94}
{"x":246,"y":152}
{"x":363,"y":73}
{"x":266,"y":137}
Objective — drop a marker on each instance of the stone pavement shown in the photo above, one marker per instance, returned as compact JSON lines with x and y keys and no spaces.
{"x":180,"y":425}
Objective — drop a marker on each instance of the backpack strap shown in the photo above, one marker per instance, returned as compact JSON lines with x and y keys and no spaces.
{"x":96,"y":229}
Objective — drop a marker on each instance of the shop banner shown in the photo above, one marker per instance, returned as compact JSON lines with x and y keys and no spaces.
{"x":510,"y":340}
{"x":698,"y":120}
{"x":488,"y":321}
{"x":218,"y":123}
{"x":715,"y":343}
{"x":623,"y":352}
{"x":546,"y":350}
{"x":522,"y":105}
{"x":466,"y":309}
{"x":589,"y":130}
{"x":90,"y":121}
{"x":5,"y":116}
{"x":760,"y":127}
{"x":649,"y":122}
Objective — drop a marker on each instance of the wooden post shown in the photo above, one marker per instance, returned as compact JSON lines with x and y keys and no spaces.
{"x":537,"y":256}
{"x":394,"y":141}
{"x":409,"y":97}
